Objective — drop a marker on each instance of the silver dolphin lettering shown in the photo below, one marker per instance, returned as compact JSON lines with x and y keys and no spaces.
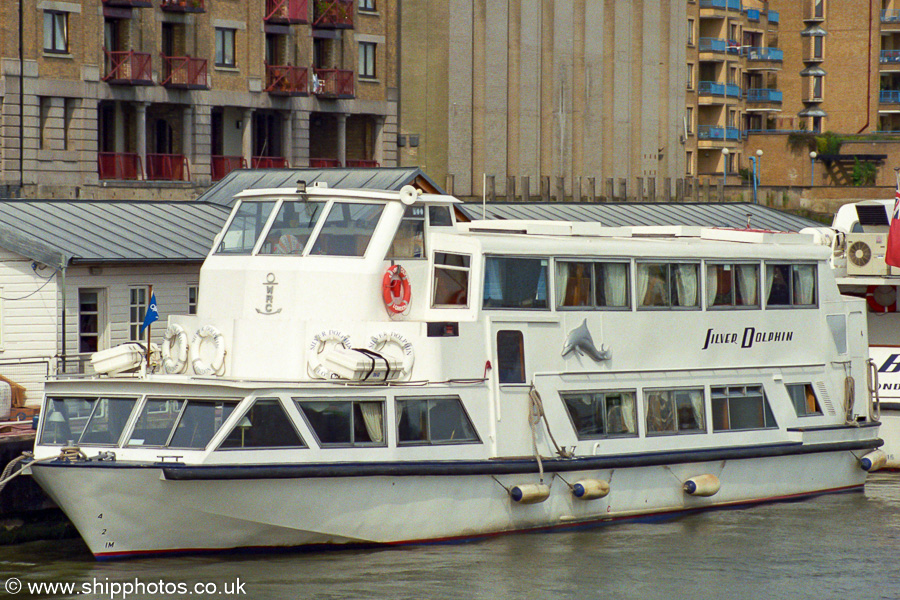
{"x":580,"y":340}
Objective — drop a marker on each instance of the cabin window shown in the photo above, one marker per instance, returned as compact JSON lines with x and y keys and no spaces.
{"x":89,"y":421}
{"x":409,"y":241}
{"x":804,"y":399}
{"x":345,"y":422}
{"x":179,"y":423}
{"x":592,"y":284}
{"x":732,"y":285}
{"x":665,"y":285}
{"x":245,"y":228}
{"x":439,"y":216}
{"x":265,"y":425}
{"x":674,"y":411}
{"x":515,"y":282}
{"x":601,"y":414}
{"x":422,"y":421}
{"x":347,"y":229}
{"x":292,"y":227}
{"x":510,"y":357}
{"x":741,"y":407}
{"x":790,"y":285}
{"x":451,"y":279}
{"x":155,"y":422}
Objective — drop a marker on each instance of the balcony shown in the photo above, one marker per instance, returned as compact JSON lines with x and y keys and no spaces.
{"x":223,"y":165}
{"x":184,"y":72}
{"x":711,"y":88}
{"x":268,"y":162}
{"x":324,"y":163}
{"x":183,"y":6}
{"x":287,"y":80}
{"x":288,"y":12}
{"x":733,"y":90}
{"x":333,"y":14}
{"x":889,"y":96}
{"x":167,"y":167}
{"x":764,"y":95}
{"x":716,"y":133}
{"x":891,"y":15}
{"x":128,"y":3}
{"x":362,"y":164}
{"x":332,"y":83}
{"x":774,"y":17}
{"x":891,"y":58}
{"x":713,"y":45}
{"x":113,"y":165}
{"x":764,"y":54}
{"x":753,"y":15}
{"x":127,"y":68}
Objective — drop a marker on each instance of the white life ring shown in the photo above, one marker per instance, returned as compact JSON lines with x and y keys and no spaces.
{"x":175,"y":349}
{"x":405,"y":352}
{"x":318,"y":345}
{"x":217,"y":365}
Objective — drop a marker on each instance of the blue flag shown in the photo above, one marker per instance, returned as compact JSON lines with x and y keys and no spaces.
{"x":152,"y":314}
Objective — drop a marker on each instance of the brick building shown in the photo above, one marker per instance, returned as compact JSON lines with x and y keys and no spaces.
{"x":157,"y":98}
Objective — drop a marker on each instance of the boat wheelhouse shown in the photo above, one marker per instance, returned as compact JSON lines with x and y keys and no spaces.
{"x":367,"y":368}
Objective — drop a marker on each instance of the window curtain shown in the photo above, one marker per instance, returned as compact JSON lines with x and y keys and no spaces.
{"x":804,"y":284}
{"x":697,"y":402}
{"x":615,"y":285}
{"x":770,"y":277}
{"x":562,"y":282}
{"x":628,"y":411}
{"x":643,"y":280}
{"x":493,"y":281}
{"x":748,"y":284}
{"x":712,"y":284}
{"x":372,"y":417}
{"x":686,"y":284}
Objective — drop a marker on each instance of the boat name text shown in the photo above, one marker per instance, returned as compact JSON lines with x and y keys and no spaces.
{"x":750,"y":336}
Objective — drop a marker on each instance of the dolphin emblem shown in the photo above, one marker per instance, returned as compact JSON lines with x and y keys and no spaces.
{"x":580,"y":340}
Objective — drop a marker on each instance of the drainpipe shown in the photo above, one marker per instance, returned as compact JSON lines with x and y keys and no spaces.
{"x":61,"y":281}
{"x":21,"y":97}
{"x":868,"y":74}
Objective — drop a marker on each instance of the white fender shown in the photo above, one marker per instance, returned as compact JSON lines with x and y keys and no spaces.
{"x":217,"y":365}
{"x":404,"y":349}
{"x":175,"y":349}
{"x":322,"y":341}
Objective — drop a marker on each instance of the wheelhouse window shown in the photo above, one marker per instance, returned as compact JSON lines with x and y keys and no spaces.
{"x":265,"y":425}
{"x":451,"y":279}
{"x":674,"y":411}
{"x":791,"y":285}
{"x":433,"y":421}
{"x":732,"y":285}
{"x":601,"y":414}
{"x":741,"y":407}
{"x":439,"y":216}
{"x":179,"y":423}
{"x":292,"y":227}
{"x":409,"y":241}
{"x":56,"y":32}
{"x":667,"y":285}
{"x":510,"y":357}
{"x":347,"y":229}
{"x":86,"y":421}
{"x":345,"y":422}
{"x":592,"y":284}
{"x":515,"y":282}
{"x":804,"y":399}
{"x":245,"y":228}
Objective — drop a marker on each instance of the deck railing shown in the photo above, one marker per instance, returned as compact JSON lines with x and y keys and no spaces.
{"x":268,"y":162}
{"x":759,"y":53}
{"x":332,"y":83}
{"x":362,"y":163}
{"x":287,"y":80}
{"x":715,"y":132}
{"x":889,"y":96}
{"x":764,"y":95}
{"x":119,"y":165}
{"x":128,"y":67}
{"x":184,"y":72}
{"x":167,"y":167}
{"x":324,"y":163}
{"x":223,"y":165}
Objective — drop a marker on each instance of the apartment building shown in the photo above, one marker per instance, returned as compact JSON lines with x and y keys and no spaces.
{"x":121,"y":99}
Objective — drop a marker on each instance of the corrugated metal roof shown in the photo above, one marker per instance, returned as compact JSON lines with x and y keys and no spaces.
{"x":381,"y":178}
{"x":127,"y":231}
{"x":628,"y":214}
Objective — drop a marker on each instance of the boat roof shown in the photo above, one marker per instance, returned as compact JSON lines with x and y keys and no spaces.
{"x":326,"y":192}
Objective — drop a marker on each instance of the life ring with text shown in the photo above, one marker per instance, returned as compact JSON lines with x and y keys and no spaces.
{"x":321,"y":342}
{"x":217,"y":365}
{"x":175,"y":349}
{"x":882,"y":298}
{"x":405,"y":352}
{"x":396,"y":289}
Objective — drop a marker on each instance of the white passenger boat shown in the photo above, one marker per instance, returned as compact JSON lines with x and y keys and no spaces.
{"x":365,"y":368}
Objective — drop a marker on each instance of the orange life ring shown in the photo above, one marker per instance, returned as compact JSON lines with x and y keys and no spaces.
{"x":876,"y":306}
{"x":395,"y":289}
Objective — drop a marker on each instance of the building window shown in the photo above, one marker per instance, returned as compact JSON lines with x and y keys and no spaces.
{"x":689,"y":163}
{"x":674,"y":411}
{"x":818,"y":9}
{"x":224,"y":47}
{"x":601,"y":414}
{"x":367,"y":5}
{"x":817,"y":87}
{"x":690,"y":32}
{"x":690,"y":76}
{"x":137,"y":304}
{"x":367,"y":60}
{"x":89,"y":320}
{"x":193,"y":291}
{"x":818,"y":47}
{"x":44,"y":105}
{"x":689,"y":121}
{"x":56,"y":32}
{"x":741,"y":407}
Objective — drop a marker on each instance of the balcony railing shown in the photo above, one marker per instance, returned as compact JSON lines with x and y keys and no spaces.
{"x":183,"y":6}
{"x":324,"y":163}
{"x":129,"y":3}
{"x":333,"y":14}
{"x":713,"y":4}
{"x":184,"y":72}
{"x":128,"y":67}
{"x":113,"y":165}
{"x":713,"y":45}
{"x":764,"y":95}
{"x":890,"y":15}
{"x":756,"y":53}
{"x":889,"y":96}
{"x":774,"y":17}
{"x":890,"y":56}
{"x":167,"y":167}
{"x":734,"y":5}
{"x":733,"y":90}
{"x":711,"y":88}
{"x":223,"y":165}
{"x":287,"y":80}
{"x":753,"y":15}
{"x":714,"y":132}
{"x":332,"y":83}
{"x":359,"y":163}
{"x":287,"y":11}
{"x":268,"y":162}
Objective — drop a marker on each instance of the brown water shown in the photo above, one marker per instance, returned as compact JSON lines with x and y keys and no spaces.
{"x":843,"y":546}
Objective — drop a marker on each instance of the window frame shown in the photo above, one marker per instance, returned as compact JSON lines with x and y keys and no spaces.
{"x":638,"y":303}
{"x":767,"y":407}
{"x":134,"y":327}
{"x":142,"y":406}
{"x":804,"y":385}
{"x":368,"y":60}
{"x":97,"y":399}
{"x":791,"y":305}
{"x":352,"y":400}
{"x":733,"y":268}
{"x":594,"y":280}
{"x":367,"y":6}
{"x":645,"y":405}
{"x":225,"y":37}
{"x":284,"y":410}
{"x":467,"y":270}
{"x":521,"y":367}
{"x":55,"y":16}
{"x":605,"y":393}
{"x":429,"y":442}
{"x":193,"y":298}
{"x":546,"y":261}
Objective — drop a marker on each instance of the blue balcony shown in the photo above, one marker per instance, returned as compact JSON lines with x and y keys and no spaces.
{"x":891,"y":15}
{"x":890,"y":56}
{"x":733,"y":90}
{"x":714,"y":132}
{"x":734,"y":5}
{"x":711,"y":88}
{"x":713,"y":4}
{"x":713,"y":45}
{"x":753,"y":15}
{"x":776,"y":54}
{"x":889,"y":96}
{"x":762,"y":95}
{"x":773,"y":17}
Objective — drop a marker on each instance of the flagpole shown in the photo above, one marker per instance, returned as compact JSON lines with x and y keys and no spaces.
{"x":149,"y":325}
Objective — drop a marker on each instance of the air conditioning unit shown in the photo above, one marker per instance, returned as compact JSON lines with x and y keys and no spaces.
{"x":865,"y":254}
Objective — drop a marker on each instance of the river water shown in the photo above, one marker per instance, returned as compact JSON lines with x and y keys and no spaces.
{"x":843,"y":546}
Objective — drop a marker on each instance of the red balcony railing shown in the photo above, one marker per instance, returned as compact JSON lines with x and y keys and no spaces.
{"x":324,"y":163}
{"x":223,"y":165}
{"x":287,"y":80}
{"x":332,"y":83}
{"x":167,"y":167}
{"x":128,"y":67}
{"x":268,"y":162}
{"x":129,"y":3}
{"x":184,"y":72}
{"x":352,"y":162}
{"x":184,"y":6}
{"x":287,"y":11}
{"x":333,"y":14}
{"x":113,"y":165}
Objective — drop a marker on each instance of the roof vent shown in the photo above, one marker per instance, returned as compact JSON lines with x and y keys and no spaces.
{"x":301,"y":186}
{"x":320,"y":184}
